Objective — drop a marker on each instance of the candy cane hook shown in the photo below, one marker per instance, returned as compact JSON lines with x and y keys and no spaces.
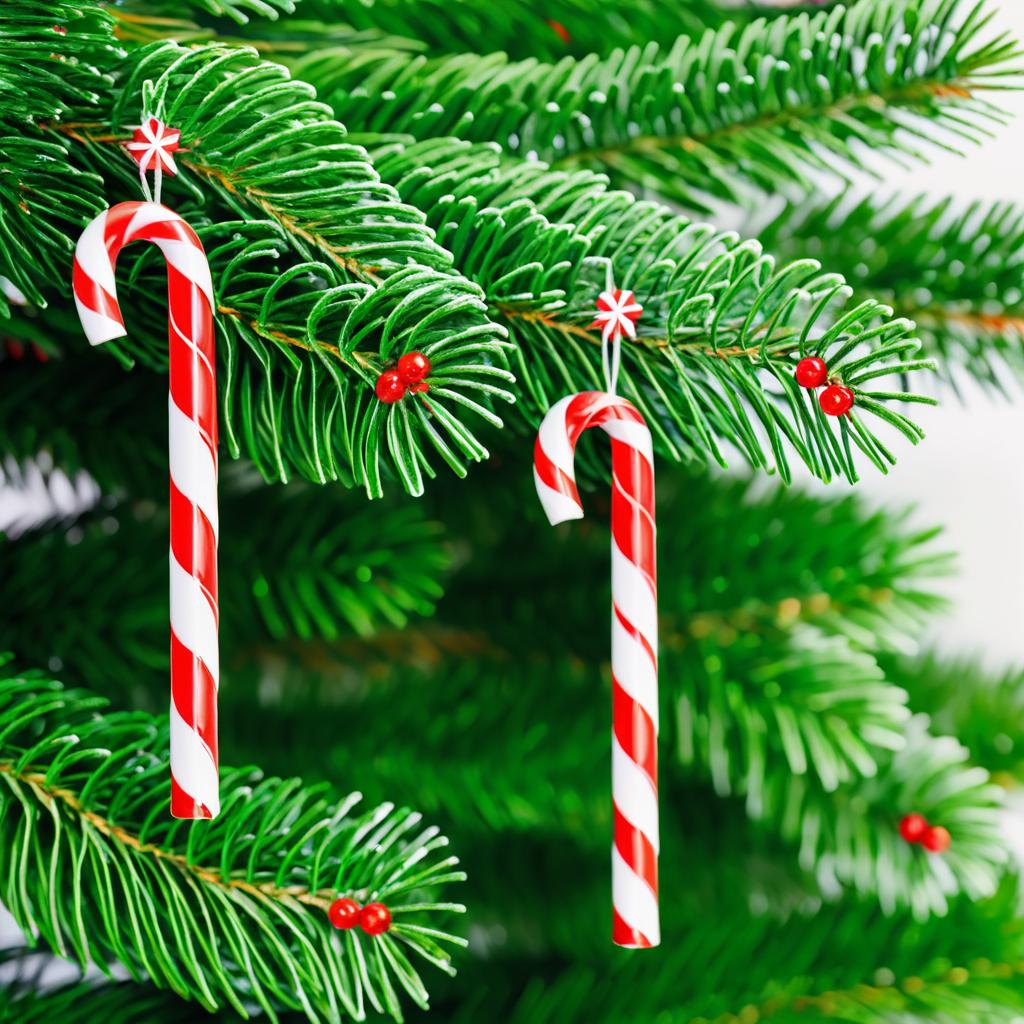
{"x":634,"y":636}
{"x":192,"y":408}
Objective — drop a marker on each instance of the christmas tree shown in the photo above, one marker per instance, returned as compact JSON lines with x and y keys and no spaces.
{"x":415,"y":806}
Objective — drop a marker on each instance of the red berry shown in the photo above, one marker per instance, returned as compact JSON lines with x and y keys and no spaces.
{"x":60,"y":30}
{"x":419,"y":389}
{"x":389,"y":387}
{"x":913,"y":827}
{"x":811,"y":372}
{"x":413,"y":367}
{"x":560,"y":30}
{"x":936,"y":839}
{"x":344,"y":913}
{"x":835,"y":400}
{"x":375,"y":919}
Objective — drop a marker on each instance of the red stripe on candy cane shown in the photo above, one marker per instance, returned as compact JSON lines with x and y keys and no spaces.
{"x":194,"y":544}
{"x":636,"y":732}
{"x":196,"y":704}
{"x":625,"y":935}
{"x":192,"y":448}
{"x":634,"y":636}
{"x":636,"y":849}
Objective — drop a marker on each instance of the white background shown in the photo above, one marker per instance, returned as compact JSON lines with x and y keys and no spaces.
{"x":968,"y":473}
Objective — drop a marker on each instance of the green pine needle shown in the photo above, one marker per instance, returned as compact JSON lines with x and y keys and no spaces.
{"x":723,"y":324}
{"x":955,"y":270}
{"x":228,"y":913}
{"x":766,"y":103}
{"x":718,"y":971}
{"x":305,"y":564}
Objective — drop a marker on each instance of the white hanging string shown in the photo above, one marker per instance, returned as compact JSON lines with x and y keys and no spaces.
{"x":158,"y":171}
{"x":158,"y":177}
{"x":611,"y":351}
{"x":145,"y":185}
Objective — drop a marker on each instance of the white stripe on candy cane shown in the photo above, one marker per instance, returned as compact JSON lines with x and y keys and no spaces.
{"x":634,"y":795}
{"x":192,"y":763}
{"x":633,"y":595}
{"x":192,"y":467}
{"x":192,"y":439}
{"x":192,"y":618}
{"x":635,"y":902}
{"x":634,"y":636}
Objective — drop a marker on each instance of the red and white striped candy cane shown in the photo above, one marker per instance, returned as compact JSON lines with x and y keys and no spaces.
{"x":195,"y":664}
{"x":634,"y":636}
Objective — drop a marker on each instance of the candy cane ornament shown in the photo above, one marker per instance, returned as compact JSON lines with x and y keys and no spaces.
{"x":192,"y":418}
{"x":635,"y":920}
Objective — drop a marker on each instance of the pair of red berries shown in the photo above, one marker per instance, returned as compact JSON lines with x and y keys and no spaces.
{"x":345,"y":913}
{"x":835,"y":400}
{"x":409,"y":374}
{"x":915,"y":829}
{"x":16,"y":350}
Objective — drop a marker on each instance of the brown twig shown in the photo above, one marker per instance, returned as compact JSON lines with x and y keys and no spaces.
{"x":548,"y":319}
{"x":994,"y":323}
{"x":830,"y":1003}
{"x":271,"y":334}
{"x":727,"y":625}
{"x":693,"y":143}
{"x":47,"y":794}
{"x":91,"y":132}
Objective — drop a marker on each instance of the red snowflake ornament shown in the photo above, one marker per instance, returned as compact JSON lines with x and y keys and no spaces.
{"x":617,"y":314}
{"x":152,"y":146}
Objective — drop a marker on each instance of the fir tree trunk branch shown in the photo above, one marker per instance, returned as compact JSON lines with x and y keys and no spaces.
{"x":47,"y":794}
{"x":963,"y":89}
{"x":94,"y":133}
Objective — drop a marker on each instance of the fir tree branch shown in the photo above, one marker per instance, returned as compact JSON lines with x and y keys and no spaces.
{"x":821,"y":779}
{"x":329,"y":262}
{"x":759,"y":302}
{"x":303,"y":564}
{"x":738,"y":563}
{"x":295,"y":402}
{"x":29,"y":996}
{"x":764,"y":103}
{"x":286,"y":28}
{"x":989,"y":992}
{"x":240,"y":918}
{"x":515,"y":27}
{"x":723,"y":325}
{"x":241,"y":12}
{"x":983,"y":709}
{"x":43,"y":199}
{"x":956,"y":271}
{"x":851,"y":837}
{"x":120,"y":441}
{"x":52,"y":60}
{"x":338,"y":232}
{"x":764,"y":690}
{"x":520,"y":29}
{"x":734,"y":959}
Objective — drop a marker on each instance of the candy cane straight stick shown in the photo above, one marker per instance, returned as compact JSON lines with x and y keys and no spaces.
{"x":192,"y":410}
{"x":634,"y":616}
